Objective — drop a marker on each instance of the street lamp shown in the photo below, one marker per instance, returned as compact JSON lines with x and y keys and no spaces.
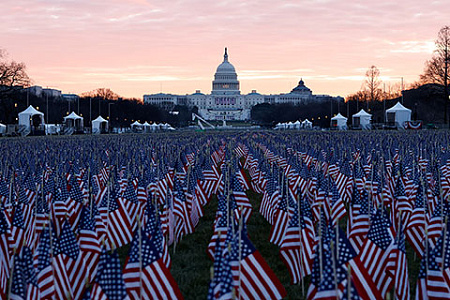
{"x":402,"y":85}
{"x":109,"y":114}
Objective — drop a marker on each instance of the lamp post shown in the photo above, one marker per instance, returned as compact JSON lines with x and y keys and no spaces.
{"x":47,"y":108}
{"x":109,"y":115}
{"x":90,"y":111}
{"x":402,"y":85}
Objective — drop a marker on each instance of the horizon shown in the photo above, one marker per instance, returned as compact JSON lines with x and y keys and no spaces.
{"x":137,"y":47}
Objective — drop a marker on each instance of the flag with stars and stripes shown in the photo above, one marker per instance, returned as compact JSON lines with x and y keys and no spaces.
{"x":145,"y":274}
{"x":69,"y":268}
{"x":109,"y":283}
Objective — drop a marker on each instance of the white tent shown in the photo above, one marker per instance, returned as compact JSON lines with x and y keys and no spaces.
{"x":362,"y":119}
{"x":154,"y":127}
{"x":307,"y":124}
{"x":147,"y":127}
{"x":289,"y":125}
{"x":74,"y":120}
{"x":398,"y":115}
{"x":26,"y":118}
{"x":2,"y":128}
{"x":297,"y":124}
{"x":339,"y":122}
{"x":99,"y":125}
{"x":137,"y":127}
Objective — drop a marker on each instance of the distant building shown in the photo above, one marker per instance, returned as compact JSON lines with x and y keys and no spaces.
{"x":226,"y":102}
{"x":70,"y":97}
{"x":39,"y":91}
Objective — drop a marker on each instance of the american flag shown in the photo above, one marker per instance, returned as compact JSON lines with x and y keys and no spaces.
{"x":337,"y":205}
{"x":375,"y":252}
{"x":89,"y":243}
{"x":5,"y":254}
{"x":398,"y":267}
{"x":242,"y":202}
{"x":220,"y":232}
{"x":298,"y":242}
{"x":43,"y":260}
{"x":118,"y":224}
{"x":154,"y":232}
{"x":17,"y":229}
{"x":29,"y":273}
{"x":68,"y":266}
{"x":280,"y":221}
{"x":217,"y":278}
{"x":145,"y":274}
{"x":109,"y":283}
{"x":359,"y":220}
{"x":183,"y":223}
{"x":415,"y":228}
{"x":255,"y":278}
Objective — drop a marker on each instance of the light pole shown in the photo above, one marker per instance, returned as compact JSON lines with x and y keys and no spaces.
{"x":47,"y":108}
{"x":109,"y":115}
{"x":402,"y":90}
{"x":402,"y":85}
{"x":90,"y":111}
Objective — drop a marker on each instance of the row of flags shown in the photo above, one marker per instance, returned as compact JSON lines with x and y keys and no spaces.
{"x":382,"y":202}
{"x":342,"y":209}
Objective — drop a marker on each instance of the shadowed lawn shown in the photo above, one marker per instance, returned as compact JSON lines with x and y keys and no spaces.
{"x":190,"y":263}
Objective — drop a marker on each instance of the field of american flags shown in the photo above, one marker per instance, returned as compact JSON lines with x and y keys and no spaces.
{"x":306,"y":215}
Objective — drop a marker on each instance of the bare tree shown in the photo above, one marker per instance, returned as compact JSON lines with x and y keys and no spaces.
{"x":437,"y":68}
{"x":373,"y":83}
{"x":12,"y":73}
{"x":103,"y":93}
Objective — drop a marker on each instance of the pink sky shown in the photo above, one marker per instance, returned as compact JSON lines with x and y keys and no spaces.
{"x":138,"y":47}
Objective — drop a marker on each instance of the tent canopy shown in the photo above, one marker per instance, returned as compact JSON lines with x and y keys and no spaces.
{"x":31,"y":111}
{"x":339,"y":117}
{"x":398,"y":107}
{"x":27,"y":114}
{"x":398,"y":114}
{"x":362,"y":113}
{"x":99,"y":120}
{"x":73,"y":116}
{"x":136,"y":123}
{"x":306,"y":121}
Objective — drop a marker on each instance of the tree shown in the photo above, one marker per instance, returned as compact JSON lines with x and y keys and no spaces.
{"x":12,"y":73}
{"x":437,"y":68}
{"x":373,"y":83}
{"x":103,"y":93}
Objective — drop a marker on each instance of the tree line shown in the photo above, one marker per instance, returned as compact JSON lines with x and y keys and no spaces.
{"x":436,"y":72}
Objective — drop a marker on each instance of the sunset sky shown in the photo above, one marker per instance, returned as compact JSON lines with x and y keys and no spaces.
{"x":137,"y":47}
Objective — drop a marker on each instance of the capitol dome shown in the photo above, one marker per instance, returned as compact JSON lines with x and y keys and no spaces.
{"x":225,"y":66}
{"x":225,"y":80}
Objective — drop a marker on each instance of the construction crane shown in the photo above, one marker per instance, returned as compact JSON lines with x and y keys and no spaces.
{"x":202,"y":123}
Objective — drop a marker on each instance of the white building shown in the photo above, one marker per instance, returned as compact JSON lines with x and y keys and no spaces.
{"x":39,"y":91}
{"x":226,"y":102}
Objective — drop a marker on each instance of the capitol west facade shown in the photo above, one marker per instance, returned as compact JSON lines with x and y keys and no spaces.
{"x":226,"y":102}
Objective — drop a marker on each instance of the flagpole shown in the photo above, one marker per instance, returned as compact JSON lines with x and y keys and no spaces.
{"x":444,"y":242}
{"x":12,"y":273}
{"x":240,"y":254}
{"x":300,"y":247}
{"x":140,"y":257}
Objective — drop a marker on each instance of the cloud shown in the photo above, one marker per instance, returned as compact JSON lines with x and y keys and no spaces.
{"x":140,"y":41}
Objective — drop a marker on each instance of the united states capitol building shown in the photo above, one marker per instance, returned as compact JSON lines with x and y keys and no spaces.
{"x":226,"y":102}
